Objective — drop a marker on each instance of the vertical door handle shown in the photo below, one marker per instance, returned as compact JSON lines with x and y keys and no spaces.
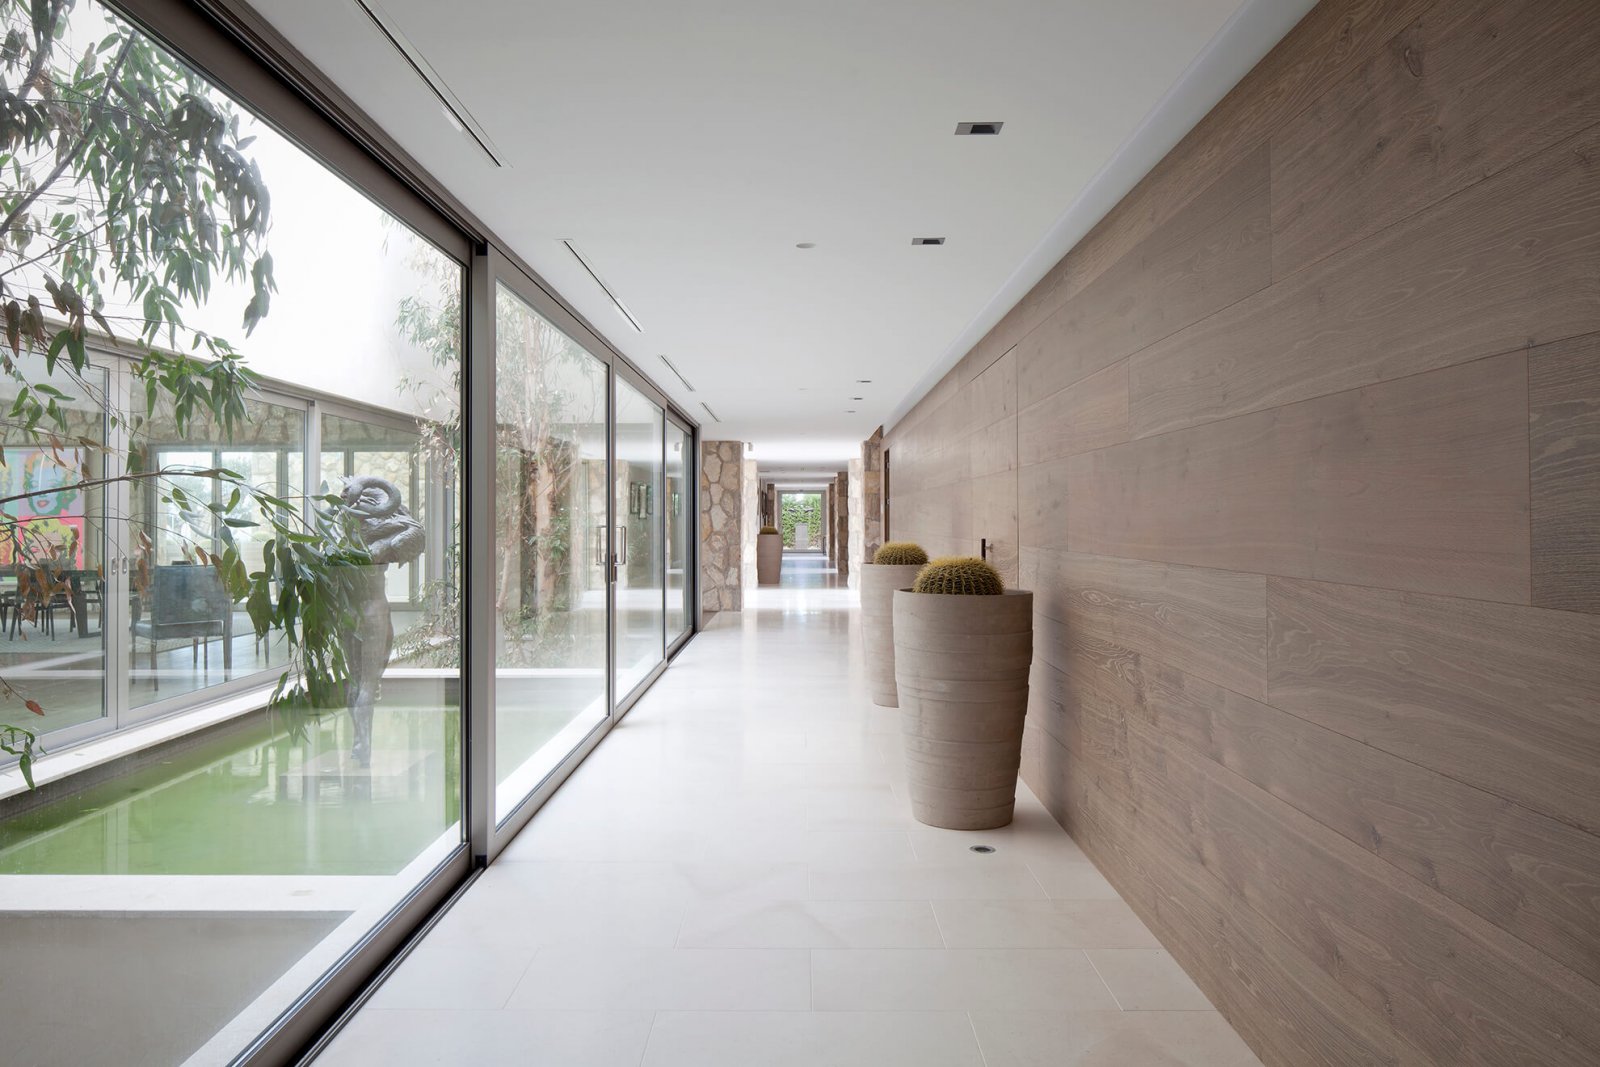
{"x":622,"y":546}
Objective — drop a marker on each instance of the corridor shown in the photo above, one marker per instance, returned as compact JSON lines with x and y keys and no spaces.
{"x":733,"y":877}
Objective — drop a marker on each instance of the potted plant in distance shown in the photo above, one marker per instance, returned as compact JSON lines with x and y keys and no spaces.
{"x":963,"y":644}
{"x":769,"y":555}
{"x":894,"y":566}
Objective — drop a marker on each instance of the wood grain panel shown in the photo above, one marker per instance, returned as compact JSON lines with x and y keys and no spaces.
{"x":1462,"y":93}
{"x":994,"y":392}
{"x":1564,"y":424}
{"x":1503,"y":698}
{"x":1213,"y":252}
{"x":1291,"y":1012}
{"x":994,"y":516}
{"x":1089,"y":414}
{"x":1507,"y":264}
{"x":1366,"y":821}
{"x":1335,"y":37}
{"x":939,"y":521}
{"x":1209,"y":623}
{"x":1416,"y":484}
{"x":1460,"y":989}
{"x":1536,"y":877}
{"x":994,"y":448}
{"x":1042,"y":505}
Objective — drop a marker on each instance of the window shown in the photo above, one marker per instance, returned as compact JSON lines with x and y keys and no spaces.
{"x":201,"y":291}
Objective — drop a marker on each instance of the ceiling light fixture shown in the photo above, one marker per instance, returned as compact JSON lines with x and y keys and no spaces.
{"x":455,"y":111}
{"x":603,"y":286}
{"x":927,"y":240}
{"x":978,"y":129}
{"x":806,"y":244}
{"x":713,"y":414}
{"x":676,"y":371}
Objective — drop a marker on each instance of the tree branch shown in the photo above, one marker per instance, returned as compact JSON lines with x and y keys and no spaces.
{"x":83,"y":140}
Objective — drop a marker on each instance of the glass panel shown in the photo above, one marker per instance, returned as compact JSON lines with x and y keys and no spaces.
{"x":549,"y":522}
{"x":53,"y":551}
{"x":676,"y":501}
{"x":187,"y":633}
{"x":242,"y":279}
{"x":641,"y":563}
{"x":352,"y":447}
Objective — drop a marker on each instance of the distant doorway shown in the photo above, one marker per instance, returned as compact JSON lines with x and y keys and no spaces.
{"x":800,"y":521}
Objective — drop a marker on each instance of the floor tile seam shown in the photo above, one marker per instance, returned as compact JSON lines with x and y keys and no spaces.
{"x":1114,"y":998}
{"x":644,"y":1053}
{"x":938,"y":924}
{"x":983,"y":1056}
{"x":523,"y":977}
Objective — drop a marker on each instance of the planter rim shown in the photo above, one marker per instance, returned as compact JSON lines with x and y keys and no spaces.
{"x":972,"y":596}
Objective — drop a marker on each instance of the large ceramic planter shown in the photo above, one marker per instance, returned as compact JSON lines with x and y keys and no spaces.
{"x":769,"y":558}
{"x":878,"y":583}
{"x":961,"y":670}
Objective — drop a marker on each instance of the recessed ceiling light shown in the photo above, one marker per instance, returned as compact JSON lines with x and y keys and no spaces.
{"x":978,"y":129}
{"x":806,"y":244}
{"x":863,"y":381}
{"x":858,"y":398}
{"x":927,"y":240}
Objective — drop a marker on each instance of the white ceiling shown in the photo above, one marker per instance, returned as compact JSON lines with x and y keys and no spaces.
{"x":686,"y":147}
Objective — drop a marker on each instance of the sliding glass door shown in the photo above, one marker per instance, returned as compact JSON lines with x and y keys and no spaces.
{"x":680,"y":550}
{"x":640,"y":574}
{"x":53,"y":552}
{"x":552,"y":546}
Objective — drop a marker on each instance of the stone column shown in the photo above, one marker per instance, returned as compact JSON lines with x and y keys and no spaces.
{"x":871,"y":495}
{"x":828,"y":522}
{"x":855,"y":545}
{"x":721,"y":526}
{"x":841,"y":525}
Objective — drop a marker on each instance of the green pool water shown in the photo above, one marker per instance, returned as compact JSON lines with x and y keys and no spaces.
{"x":255,"y":800}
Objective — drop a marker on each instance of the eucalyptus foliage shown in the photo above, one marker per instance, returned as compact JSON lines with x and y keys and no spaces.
{"x":127,"y":191}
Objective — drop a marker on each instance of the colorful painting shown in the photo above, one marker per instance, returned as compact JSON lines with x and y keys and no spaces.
{"x":44,"y":509}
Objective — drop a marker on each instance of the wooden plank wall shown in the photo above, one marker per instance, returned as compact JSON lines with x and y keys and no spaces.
{"x":1300,"y":451}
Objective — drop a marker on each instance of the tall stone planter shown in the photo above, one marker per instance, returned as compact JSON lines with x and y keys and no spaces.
{"x":878,"y":583}
{"x":769,"y":558}
{"x":961,"y":670}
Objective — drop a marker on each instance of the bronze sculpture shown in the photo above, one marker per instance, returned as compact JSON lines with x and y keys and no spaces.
{"x":391,"y":535}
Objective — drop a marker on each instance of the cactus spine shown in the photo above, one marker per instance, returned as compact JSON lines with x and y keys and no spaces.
{"x":900,"y":554}
{"x":963,"y":575}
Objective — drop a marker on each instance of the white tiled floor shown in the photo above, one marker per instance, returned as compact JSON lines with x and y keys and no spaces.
{"x":733,"y":878}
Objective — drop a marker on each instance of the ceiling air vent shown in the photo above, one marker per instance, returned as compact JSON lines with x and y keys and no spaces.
{"x":713,"y":414}
{"x":927,"y":240}
{"x":455,"y":112}
{"x":978,"y":129}
{"x":678,"y":372}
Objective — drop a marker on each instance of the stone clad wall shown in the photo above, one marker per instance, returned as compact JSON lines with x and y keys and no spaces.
{"x":855,"y":521}
{"x":841,"y":524}
{"x":871,"y":495}
{"x":721,"y":522}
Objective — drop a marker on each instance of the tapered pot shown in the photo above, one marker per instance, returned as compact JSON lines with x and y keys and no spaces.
{"x":769,"y":558}
{"x":878,"y":583}
{"x":961,"y":672}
